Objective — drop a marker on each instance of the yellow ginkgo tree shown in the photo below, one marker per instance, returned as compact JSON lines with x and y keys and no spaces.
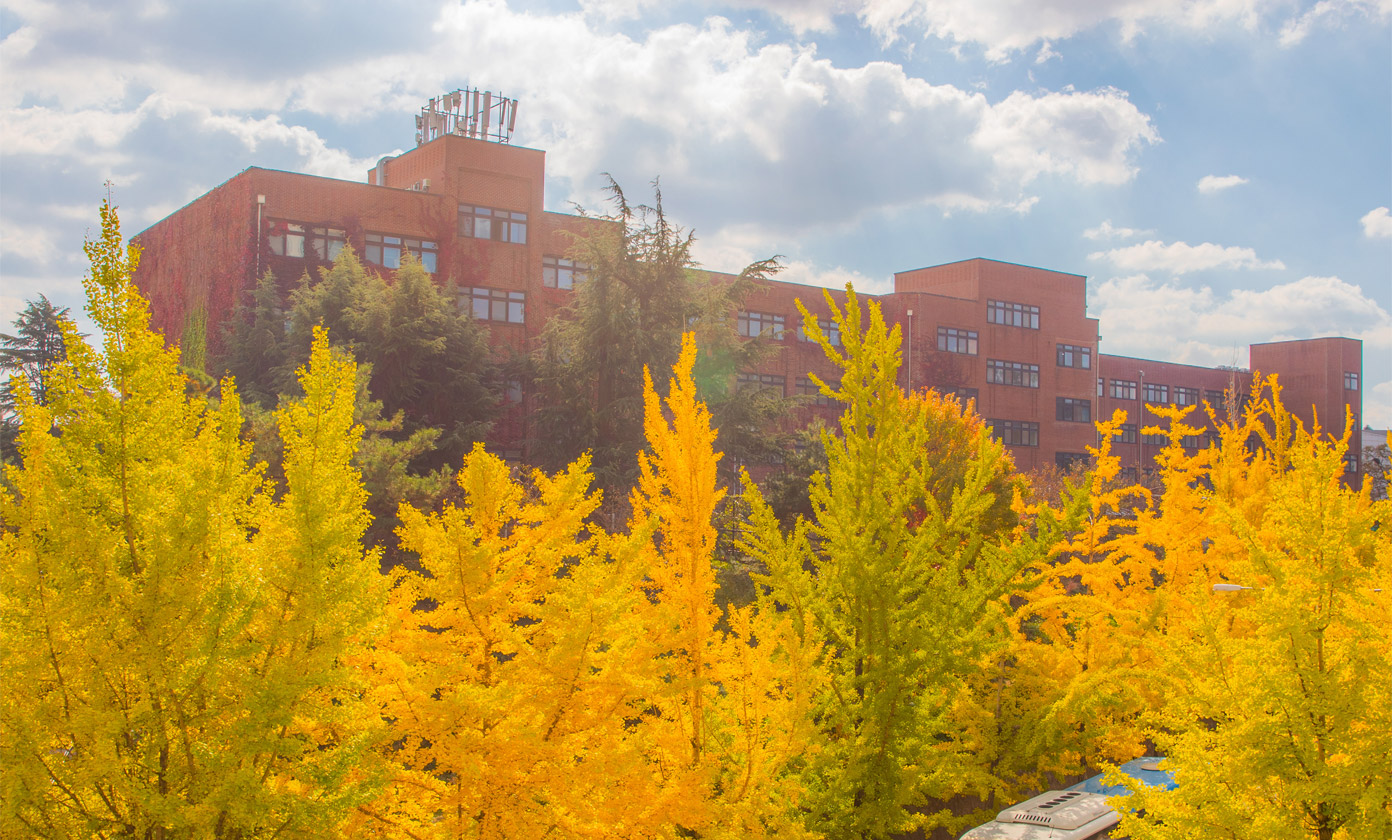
{"x":174,"y":641}
{"x":727,"y":692}
{"x":1276,"y":710}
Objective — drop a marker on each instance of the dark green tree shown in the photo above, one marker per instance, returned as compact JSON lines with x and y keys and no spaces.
{"x":257,"y":347}
{"x":642,"y":292}
{"x":28,"y":356}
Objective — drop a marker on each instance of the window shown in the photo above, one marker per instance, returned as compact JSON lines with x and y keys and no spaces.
{"x":963,"y":394}
{"x":1012,"y":314}
{"x":755,"y":324}
{"x":512,"y":391}
{"x":1074,"y":411}
{"x":1067,"y":460}
{"x":1214,"y":398}
{"x":495,"y":304}
{"x":326,"y":243}
{"x":807,"y":388}
{"x":1123,"y":389}
{"x":286,"y":239}
{"x":561,"y":273}
{"x":1128,"y":433}
{"x":386,"y":250}
{"x":952,"y":340}
{"x":760,"y":382}
{"x":1191,"y":441}
{"x":1351,"y":384}
{"x":1154,"y":440}
{"x":1075,"y":356}
{"x":1157,"y":393}
{"x":830,"y":329}
{"x":1018,"y":374}
{"x":1015,"y":432}
{"x":1186,"y":396}
{"x":487,"y":223}
{"x":1351,"y":462}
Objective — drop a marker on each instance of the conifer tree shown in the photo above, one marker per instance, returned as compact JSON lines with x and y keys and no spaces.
{"x":173,"y":642}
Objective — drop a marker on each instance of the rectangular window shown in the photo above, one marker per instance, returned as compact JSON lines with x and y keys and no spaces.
{"x":561,"y":273}
{"x":1191,"y":441}
{"x":286,"y":239}
{"x":1012,"y":314}
{"x":1123,"y":389}
{"x":807,"y":388}
{"x":965,"y":395}
{"x":1186,"y":396}
{"x":495,"y":304}
{"x":512,"y":393}
{"x":830,"y":329}
{"x":386,"y":250}
{"x":326,"y":243}
{"x":1351,"y":384}
{"x":1015,"y":432}
{"x":1074,"y":411}
{"x":1069,"y":460}
{"x":1154,"y":440}
{"x":1351,"y":462}
{"x":1019,"y":374}
{"x":1128,"y":433}
{"x":1214,"y":398}
{"x":755,"y":324}
{"x":760,"y":382}
{"x":488,"y":223}
{"x":953,"y":340}
{"x":1156,"y":393}
{"x":1075,"y":356}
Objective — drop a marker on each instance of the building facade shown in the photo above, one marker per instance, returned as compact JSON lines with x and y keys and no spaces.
{"x":1015,"y":339}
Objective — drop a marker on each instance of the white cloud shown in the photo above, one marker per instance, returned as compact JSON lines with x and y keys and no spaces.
{"x":1332,"y":12}
{"x":1005,"y":27}
{"x":1377,"y":406}
{"x":1377,"y":223}
{"x":1197,"y":325}
{"x":1107,"y":231}
{"x":28,"y":242}
{"x":1217,"y":183}
{"x":1182,"y":258}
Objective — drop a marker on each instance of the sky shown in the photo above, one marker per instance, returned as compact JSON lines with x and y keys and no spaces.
{"x":1220,"y":170}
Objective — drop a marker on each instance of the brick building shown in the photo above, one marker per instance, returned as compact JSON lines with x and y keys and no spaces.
{"x":1016,"y":339}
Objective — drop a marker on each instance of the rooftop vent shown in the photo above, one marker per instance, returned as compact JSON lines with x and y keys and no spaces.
{"x":467,"y":113}
{"x":1065,"y":810}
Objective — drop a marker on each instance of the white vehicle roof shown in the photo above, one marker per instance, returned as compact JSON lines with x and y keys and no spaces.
{"x":1055,"y":815}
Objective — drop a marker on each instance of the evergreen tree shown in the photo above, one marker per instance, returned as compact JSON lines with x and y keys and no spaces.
{"x":641,"y":294}
{"x":28,"y":357}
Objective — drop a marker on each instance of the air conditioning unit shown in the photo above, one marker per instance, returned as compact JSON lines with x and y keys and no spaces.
{"x":1056,"y":815}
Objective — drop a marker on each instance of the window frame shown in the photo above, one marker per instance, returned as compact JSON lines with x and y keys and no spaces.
{"x":1351,"y":380}
{"x":282,"y":234}
{"x":761,"y":382}
{"x":958,"y":340}
{"x":499,"y":225}
{"x":1154,"y":387}
{"x":830,"y":329}
{"x":771,"y":325}
{"x":1122,"y":389}
{"x":1069,"y":353}
{"x":491,"y":298}
{"x":1014,"y":432}
{"x":563,"y":272}
{"x":1012,"y":374}
{"x":1186,"y":396}
{"x":1008,"y":314}
{"x":1069,"y":409}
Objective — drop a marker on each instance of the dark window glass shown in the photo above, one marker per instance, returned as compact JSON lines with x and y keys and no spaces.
{"x":953,"y":340}
{"x":1019,"y":374}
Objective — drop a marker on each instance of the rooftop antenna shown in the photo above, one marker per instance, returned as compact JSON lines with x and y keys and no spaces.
{"x":468,"y":112}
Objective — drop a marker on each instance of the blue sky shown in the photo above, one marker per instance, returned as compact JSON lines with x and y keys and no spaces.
{"x":1221,"y":170}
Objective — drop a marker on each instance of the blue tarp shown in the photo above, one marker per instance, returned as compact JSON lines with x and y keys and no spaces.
{"x":1133,"y":768}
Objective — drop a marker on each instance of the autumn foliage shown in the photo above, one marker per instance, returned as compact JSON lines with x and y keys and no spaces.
{"x":189,"y":649}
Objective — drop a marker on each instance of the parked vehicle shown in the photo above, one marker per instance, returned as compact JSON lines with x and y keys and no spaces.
{"x":1079,"y":812}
